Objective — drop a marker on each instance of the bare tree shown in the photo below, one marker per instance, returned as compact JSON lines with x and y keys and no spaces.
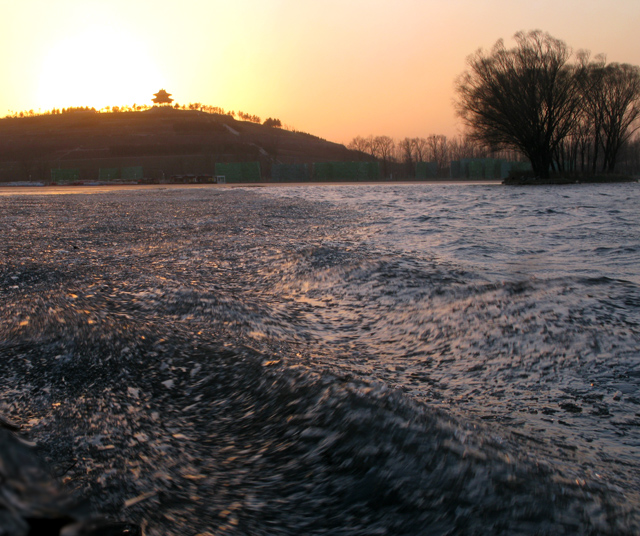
{"x":614,"y":99}
{"x":525,"y":97}
{"x":383,"y":147}
{"x":360,"y":144}
{"x":411,"y":150}
{"x":419,"y":147}
{"x":405,"y":151}
{"x":438,"y":150}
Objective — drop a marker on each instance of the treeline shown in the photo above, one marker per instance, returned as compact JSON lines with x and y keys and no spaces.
{"x":434,"y":148}
{"x":567,"y":113}
{"x":443,"y":150}
{"x":605,"y":121}
{"x":54,"y":111}
{"x":242,"y":116}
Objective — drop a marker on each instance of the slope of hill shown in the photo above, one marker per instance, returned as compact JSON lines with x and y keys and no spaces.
{"x":164,"y":141}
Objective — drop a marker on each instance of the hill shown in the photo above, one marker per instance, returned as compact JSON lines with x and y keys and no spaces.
{"x":163,"y":141}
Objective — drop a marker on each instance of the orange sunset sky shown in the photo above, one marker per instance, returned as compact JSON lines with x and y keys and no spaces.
{"x":334,"y":68}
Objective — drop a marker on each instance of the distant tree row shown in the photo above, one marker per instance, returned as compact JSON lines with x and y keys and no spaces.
{"x":271,"y":122}
{"x":142,"y":107}
{"x":565,"y":115}
{"x":54,"y":111}
{"x":162,"y":98}
{"x":248,"y":117}
{"x":442,"y":150}
{"x":434,"y":148}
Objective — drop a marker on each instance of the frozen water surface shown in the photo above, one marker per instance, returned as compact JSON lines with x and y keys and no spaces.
{"x":415,"y":359}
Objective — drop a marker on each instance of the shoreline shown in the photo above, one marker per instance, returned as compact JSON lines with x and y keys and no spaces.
{"x":567,"y":181}
{"x":105,"y":188}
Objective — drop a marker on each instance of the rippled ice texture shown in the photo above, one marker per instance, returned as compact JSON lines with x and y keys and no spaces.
{"x":220,"y":360}
{"x":519,"y":306}
{"x":503,"y":233}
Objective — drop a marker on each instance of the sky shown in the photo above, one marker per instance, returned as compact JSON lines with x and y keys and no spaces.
{"x":334,"y":68}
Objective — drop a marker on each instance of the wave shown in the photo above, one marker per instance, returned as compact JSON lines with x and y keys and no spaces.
{"x":254,"y":365}
{"x":281,"y":449}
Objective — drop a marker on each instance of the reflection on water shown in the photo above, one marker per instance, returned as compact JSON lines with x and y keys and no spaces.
{"x":357,"y":360}
{"x":517,"y":306}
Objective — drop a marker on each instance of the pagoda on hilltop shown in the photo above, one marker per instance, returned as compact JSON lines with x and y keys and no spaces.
{"x":162,"y":97}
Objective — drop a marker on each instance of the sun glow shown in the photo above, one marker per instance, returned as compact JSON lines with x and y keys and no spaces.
{"x":335,"y":69}
{"x":97,"y":67}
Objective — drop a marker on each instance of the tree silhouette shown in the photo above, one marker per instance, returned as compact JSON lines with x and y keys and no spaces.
{"x":361,"y":144}
{"x":526,"y":98}
{"x":612,"y":104}
{"x":162,"y":97}
{"x":271,"y":122}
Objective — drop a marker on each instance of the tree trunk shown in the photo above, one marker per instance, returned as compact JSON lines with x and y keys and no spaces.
{"x":541,"y":164}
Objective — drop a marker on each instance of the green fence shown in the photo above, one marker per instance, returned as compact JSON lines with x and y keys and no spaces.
{"x":134,"y":173}
{"x":426,"y":170}
{"x":108,"y":174}
{"x":289,"y":172}
{"x":346,"y":171}
{"x":514,"y":168}
{"x":455,"y":169}
{"x":65,"y":175}
{"x":485,"y":168}
{"x":492,"y":168}
{"x":475,"y":169}
{"x":239,"y":171}
{"x":126,"y":173}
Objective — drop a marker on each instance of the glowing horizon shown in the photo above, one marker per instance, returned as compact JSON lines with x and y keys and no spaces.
{"x":384,"y":67}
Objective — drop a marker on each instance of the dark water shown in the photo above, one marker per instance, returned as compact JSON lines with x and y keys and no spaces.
{"x":518,"y":305}
{"x":345,"y":360}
